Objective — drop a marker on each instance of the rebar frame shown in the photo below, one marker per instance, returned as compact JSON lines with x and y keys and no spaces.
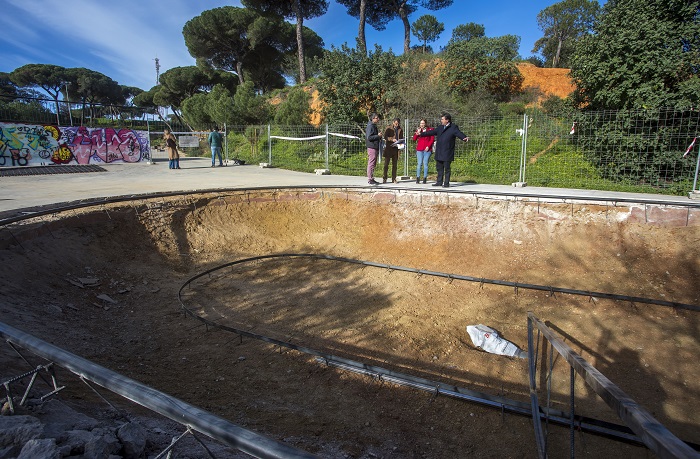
{"x":172,"y":408}
{"x":651,"y":432}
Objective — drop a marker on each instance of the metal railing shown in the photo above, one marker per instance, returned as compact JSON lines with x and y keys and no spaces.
{"x":183,"y":413}
{"x":654,"y":435}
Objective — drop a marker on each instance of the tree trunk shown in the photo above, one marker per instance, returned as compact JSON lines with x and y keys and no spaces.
{"x":300,"y":41}
{"x":406,"y":30}
{"x":361,"y":40}
{"x":557,"y":56}
{"x":239,"y":71}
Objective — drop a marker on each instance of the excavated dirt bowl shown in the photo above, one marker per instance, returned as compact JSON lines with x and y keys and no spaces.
{"x":102,"y":282}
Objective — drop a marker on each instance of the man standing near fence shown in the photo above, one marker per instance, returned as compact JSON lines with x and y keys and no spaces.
{"x":373,"y":139}
{"x":445,"y":147}
{"x":214,"y":141}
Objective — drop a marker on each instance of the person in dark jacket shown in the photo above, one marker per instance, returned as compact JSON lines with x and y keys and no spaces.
{"x":445,"y":147}
{"x":373,"y":138}
{"x":392,"y":134}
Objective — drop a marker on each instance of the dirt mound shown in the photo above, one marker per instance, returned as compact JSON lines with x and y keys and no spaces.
{"x":551,"y":82}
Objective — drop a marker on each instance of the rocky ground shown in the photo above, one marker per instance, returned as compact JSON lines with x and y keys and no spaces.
{"x":103,"y":284}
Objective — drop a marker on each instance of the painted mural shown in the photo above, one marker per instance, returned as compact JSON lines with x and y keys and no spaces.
{"x":43,"y":145}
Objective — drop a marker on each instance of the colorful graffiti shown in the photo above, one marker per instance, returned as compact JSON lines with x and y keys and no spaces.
{"x":41,"y":145}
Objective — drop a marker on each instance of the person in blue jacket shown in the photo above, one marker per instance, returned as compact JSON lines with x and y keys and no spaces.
{"x":215,"y":143}
{"x":445,"y":147}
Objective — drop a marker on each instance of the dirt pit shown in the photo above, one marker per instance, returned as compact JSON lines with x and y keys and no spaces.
{"x":140,"y":253}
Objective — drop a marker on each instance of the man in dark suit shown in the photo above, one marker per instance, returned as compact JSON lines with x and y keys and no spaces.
{"x":445,"y":147}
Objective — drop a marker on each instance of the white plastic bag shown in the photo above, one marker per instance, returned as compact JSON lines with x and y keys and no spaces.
{"x":487,"y":339}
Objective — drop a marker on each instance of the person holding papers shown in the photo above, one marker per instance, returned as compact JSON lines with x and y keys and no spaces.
{"x":394,"y":138}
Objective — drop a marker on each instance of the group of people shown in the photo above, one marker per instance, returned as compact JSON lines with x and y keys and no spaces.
{"x":441,"y":140}
{"x":215,"y":141}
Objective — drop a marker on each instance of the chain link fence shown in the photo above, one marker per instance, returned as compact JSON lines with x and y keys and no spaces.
{"x":638,"y":151}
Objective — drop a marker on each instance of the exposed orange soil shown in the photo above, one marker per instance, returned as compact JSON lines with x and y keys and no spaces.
{"x":550,"y":81}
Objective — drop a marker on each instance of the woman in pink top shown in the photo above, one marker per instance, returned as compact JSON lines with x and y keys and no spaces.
{"x":424,"y":148}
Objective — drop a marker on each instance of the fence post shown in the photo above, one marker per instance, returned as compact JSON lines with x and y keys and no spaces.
{"x":405,"y":148}
{"x":327,"y":147}
{"x":226,"y":143}
{"x":269,"y":143}
{"x":523,"y":154}
{"x":150,"y":149}
{"x":695,"y":181}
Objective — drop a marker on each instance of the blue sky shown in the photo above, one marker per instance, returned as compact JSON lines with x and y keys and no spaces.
{"x":121,"y":38}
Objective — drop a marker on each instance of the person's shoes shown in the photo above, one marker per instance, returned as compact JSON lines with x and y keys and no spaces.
{"x":417,"y":179}
{"x":437,"y":184}
{"x":213,"y":165}
{"x":383,"y":180}
{"x":425,"y":179}
{"x":221,"y":165}
{"x":446,"y":185}
{"x":394,"y":181}
{"x":178,"y":167}
{"x":373,"y":182}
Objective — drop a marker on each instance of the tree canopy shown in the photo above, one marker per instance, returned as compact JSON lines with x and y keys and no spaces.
{"x":233,"y":39}
{"x":292,"y":9}
{"x":642,"y":54}
{"x":427,"y":29}
{"x":483,"y":63}
{"x":563,"y":23}
{"x":354,"y":84}
{"x":465,"y":32}
{"x":404,"y":8}
{"x":370,"y":12}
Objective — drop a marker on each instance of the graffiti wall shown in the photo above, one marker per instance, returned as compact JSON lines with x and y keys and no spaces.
{"x":43,"y":145}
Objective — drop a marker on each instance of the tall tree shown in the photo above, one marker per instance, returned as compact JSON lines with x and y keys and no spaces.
{"x":232,"y":39}
{"x":427,"y":29}
{"x":177,"y":85}
{"x":642,"y":54}
{"x":292,"y":9}
{"x":295,"y":110}
{"x":50,"y":78}
{"x":563,"y":23}
{"x":483,"y":63}
{"x":465,"y":32}
{"x":313,"y":50}
{"x":354,"y":84}
{"x":404,"y":8}
{"x":370,"y":12}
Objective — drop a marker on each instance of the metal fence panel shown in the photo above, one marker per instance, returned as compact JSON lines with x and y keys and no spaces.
{"x":640,"y":151}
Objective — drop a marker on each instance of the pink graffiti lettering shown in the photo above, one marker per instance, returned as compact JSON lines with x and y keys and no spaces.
{"x":107,"y":145}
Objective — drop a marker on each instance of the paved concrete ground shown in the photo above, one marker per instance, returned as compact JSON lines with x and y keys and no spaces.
{"x":196,"y":175}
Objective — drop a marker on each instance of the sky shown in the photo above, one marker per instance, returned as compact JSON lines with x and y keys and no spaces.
{"x":122,"y":38}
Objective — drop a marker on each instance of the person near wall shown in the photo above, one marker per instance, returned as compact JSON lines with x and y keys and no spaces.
{"x":445,"y":147}
{"x":392,"y":134}
{"x":171,"y":146}
{"x":215,"y":143}
{"x":373,"y":139}
{"x":424,"y":148}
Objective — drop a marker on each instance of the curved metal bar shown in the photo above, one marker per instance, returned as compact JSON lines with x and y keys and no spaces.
{"x":170,"y":407}
{"x":481,"y":280}
{"x":586,"y":424}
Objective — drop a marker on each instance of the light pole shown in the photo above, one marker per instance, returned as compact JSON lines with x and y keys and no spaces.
{"x":70,"y":115}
